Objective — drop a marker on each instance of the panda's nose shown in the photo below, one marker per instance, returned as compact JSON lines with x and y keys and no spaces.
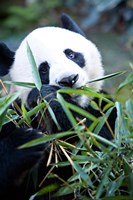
{"x":68,"y":81}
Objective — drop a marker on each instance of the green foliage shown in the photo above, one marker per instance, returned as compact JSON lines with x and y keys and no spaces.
{"x":24,"y":17}
{"x":35,"y":72}
{"x":5,"y":102}
{"x":105,"y":175}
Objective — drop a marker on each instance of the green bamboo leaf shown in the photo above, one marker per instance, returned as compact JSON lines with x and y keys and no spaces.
{"x":53,"y":116}
{"x":64,"y":191}
{"x":46,"y":189}
{"x":107,"y":76}
{"x":126,"y":82}
{"x":35,"y":72}
{"x":61,"y":164}
{"x":102,"y":120}
{"x":80,"y":171}
{"x":25,"y":113}
{"x":68,"y":189}
{"x":6,"y":101}
{"x":94,"y":105}
{"x":33,"y":197}
{"x":46,"y":138}
{"x":114,"y":186}
{"x":129,"y":108}
{"x":83,"y":175}
{"x":83,"y":91}
{"x":102,"y":140}
{"x":84,"y":159}
{"x":66,"y":144}
{"x":103,"y":182}
{"x":32,"y":112}
{"x":2,"y":118}
{"x":22,"y":84}
{"x":11,"y":115}
{"x":127,"y":168}
{"x":118,"y":120}
{"x":66,"y":110}
{"x":121,"y":129}
{"x":81,"y":111}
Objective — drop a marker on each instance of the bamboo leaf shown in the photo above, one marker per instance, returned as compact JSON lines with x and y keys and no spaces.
{"x":114,"y":186}
{"x":126,"y":82}
{"x":66,"y":110}
{"x":32,"y":112}
{"x":53,"y":116}
{"x":101,"y":139}
{"x":2,"y":117}
{"x":44,"y":190}
{"x":25,"y":113}
{"x":80,"y":171}
{"x":46,"y":138}
{"x":83,"y":91}
{"x":107,"y":76}
{"x":6,"y":101}
{"x":22,"y":84}
{"x":102,"y":121}
{"x":81,"y":111}
{"x":103,"y":182}
{"x":35,"y":72}
{"x":47,"y":189}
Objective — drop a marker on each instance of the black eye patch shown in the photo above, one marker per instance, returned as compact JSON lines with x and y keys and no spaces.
{"x":44,"y":72}
{"x":75,"y":57}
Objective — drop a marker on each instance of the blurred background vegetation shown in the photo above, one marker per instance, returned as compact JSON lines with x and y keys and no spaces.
{"x":109,"y":24}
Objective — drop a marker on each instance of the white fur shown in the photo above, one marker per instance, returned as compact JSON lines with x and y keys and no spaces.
{"x":48,"y":44}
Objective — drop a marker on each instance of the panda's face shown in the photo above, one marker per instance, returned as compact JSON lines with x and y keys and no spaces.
{"x":62,"y":63}
{"x":64,"y":58}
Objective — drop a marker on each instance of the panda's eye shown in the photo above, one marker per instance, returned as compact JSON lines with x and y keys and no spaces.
{"x":69,"y":53}
{"x":44,"y":72}
{"x":44,"y":67}
{"x":76,"y":57}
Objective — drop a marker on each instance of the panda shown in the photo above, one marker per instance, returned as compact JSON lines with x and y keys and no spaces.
{"x":65,"y":59}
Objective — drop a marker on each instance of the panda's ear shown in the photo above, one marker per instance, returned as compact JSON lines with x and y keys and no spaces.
{"x":6,"y":59}
{"x":70,"y":24}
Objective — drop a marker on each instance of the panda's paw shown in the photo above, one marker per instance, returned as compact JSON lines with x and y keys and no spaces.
{"x":15,"y":162}
{"x":25,"y":158}
{"x":49,"y":92}
{"x":33,"y":96}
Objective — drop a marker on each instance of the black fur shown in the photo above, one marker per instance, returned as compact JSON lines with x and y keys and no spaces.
{"x":44,"y":72}
{"x":75,"y":57}
{"x":15,"y":163}
{"x":6,"y":59}
{"x":69,"y":23}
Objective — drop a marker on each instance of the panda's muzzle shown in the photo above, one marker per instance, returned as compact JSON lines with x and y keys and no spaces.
{"x":68,"y":81}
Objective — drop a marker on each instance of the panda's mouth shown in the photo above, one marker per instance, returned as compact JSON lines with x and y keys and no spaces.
{"x":68,"y":81}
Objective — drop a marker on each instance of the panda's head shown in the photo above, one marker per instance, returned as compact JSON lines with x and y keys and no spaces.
{"x":64,"y":58}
